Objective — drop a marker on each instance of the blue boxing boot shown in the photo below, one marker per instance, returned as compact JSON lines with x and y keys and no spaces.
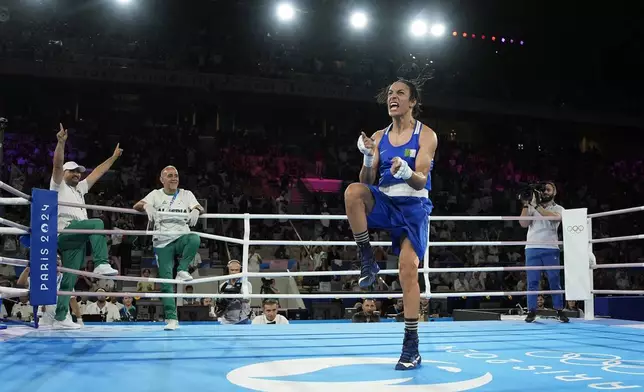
{"x":369,"y":268}
{"x":410,"y":357}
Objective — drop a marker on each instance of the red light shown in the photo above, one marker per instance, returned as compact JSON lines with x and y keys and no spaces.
{"x":473,"y":35}
{"x":454,"y":33}
{"x":493,"y":38}
{"x":483,"y":36}
{"x":464,"y":35}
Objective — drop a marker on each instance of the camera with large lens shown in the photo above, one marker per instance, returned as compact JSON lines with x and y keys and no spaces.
{"x":533,"y":190}
{"x":222,"y":303}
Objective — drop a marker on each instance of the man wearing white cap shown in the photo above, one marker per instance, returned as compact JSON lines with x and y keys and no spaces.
{"x":66,"y":180}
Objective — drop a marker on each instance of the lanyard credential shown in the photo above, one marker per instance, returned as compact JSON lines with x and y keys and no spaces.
{"x":174,"y":197}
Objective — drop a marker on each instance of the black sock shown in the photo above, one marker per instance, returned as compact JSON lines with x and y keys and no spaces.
{"x":362,"y":239}
{"x":411,"y":326}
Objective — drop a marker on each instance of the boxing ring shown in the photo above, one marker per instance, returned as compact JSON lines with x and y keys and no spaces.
{"x":510,"y":355}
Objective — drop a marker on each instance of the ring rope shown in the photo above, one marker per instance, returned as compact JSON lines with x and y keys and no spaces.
{"x":148,"y":294}
{"x":385,"y":243}
{"x":12,"y":231}
{"x":344,"y":217}
{"x":14,"y":201}
{"x":144,"y":232}
{"x":14,"y":191}
{"x":14,"y":262}
{"x":616,"y":212}
{"x":7,"y":222}
{"x":9,"y":292}
{"x":618,"y":265}
{"x":631,"y":292}
{"x":618,"y":239}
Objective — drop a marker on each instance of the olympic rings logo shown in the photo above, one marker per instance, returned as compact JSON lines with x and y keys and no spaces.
{"x":575,"y":229}
{"x":608,"y":362}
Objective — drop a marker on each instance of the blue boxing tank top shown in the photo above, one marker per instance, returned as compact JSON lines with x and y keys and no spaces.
{"x":396,"y":187}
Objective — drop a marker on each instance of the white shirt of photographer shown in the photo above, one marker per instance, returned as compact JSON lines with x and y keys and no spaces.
{"x":181,"y":204}
{"x":279,"y":319}
{"x":544,"y":230}
{"x":110,"y":311}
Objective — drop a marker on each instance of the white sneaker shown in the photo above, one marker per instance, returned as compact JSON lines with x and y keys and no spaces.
{"x":171,"y":325}
{"x":184,"y":276}
{"x":105,"y":269}
{"x":80,"y":322}
{"x":66,"y":324}
{"x":46,"y":320}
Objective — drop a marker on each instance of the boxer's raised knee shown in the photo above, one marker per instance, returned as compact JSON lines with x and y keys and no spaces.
{"x":357,"y":194}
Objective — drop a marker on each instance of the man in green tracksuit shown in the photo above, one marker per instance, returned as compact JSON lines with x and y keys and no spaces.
{"x":66,"y":180}
{"x":184,"y":205}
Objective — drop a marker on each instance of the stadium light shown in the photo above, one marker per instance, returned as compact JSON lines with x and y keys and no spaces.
{"x":418,"y":28}
{"x":359,"y":20}
{"x":437,"y":30}
{"x":285,"y":12}
{"x":123,"y":2}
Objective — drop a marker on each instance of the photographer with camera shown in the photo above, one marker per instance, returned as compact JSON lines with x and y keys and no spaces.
{"x":233,"y":310}
{"x":539,"y":200}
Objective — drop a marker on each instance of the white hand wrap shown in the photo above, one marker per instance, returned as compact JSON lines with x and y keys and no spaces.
{"x":151,"y":211}
{"x":194,"y":217}
{"x":368,"y":154}
{"x":404,"y":171}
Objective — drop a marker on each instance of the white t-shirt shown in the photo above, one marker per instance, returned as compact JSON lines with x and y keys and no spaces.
{"x":279,"y":319}
{"x":70,"y":194}
{"x":182,"y":202}
{"x":544,"y":230}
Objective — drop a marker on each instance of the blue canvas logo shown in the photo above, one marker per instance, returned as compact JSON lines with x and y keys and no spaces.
{"x":42,"y":255}
{"x":262,"y":376}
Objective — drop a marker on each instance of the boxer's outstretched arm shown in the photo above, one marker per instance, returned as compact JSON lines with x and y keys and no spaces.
{"x":368,"y":174}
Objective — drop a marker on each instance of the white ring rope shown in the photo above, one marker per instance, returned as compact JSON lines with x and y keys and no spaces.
{"x":12,"y":231}
{"x":618,"y":265}
{"x":618,"y":239}
{"x":616,"y":212}
{"x":631,"y":292}
{"x":384,"y":243}
{"x":10,"y":292}
{"x":144,"y":232}
{"x":344,"y":217}
{"x":22,"y":263}
{"x":148,"y":294}
{"x":14,"y":201}
{"x":7,"y":222}
{"x":14,"y":262}
{"x":14,"y":191}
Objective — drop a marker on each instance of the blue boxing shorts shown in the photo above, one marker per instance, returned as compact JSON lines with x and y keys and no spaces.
{"x":401,"y":216}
